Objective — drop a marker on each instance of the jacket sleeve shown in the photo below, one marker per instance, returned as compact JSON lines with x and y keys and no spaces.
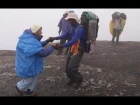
{"x":45,"y":52}
{"x":60,"y":23}
{"x":44,"y":43}
{"x":78,"y":35}
{"x":63,"y":36}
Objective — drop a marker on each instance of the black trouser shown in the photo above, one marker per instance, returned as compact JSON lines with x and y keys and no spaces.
{"x":72,"y":65}
{"x":62,"y":41}
{"x":116,"y":33}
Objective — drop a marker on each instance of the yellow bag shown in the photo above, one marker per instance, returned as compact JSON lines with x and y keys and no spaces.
{"x":111,"y":25}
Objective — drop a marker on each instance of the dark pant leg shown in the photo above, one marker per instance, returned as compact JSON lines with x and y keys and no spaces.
{"x":114,"y":34}
{"x":62,"y":41}
{"x":67,"y":63}
{"x":73,"y":66}
{"x":118,"y":35}
{"x":68,"y":48}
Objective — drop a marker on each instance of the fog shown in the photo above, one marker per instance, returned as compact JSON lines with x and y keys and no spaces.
{"x":14,"y":21}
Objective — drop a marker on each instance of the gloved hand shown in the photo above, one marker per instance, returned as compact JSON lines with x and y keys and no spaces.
{"x":52,"y":38}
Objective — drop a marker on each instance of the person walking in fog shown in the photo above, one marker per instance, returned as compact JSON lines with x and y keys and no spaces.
{"x":64,"y":25}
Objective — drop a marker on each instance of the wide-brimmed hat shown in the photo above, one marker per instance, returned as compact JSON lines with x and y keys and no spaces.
{"x":73,"y":16}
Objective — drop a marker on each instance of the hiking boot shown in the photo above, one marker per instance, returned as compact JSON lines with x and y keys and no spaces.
{"x":20,"y":92}
{"x":29,"y":93}
{"x":32,"y":94}
{"x":70,"y":82}
{"x":77,"y":85}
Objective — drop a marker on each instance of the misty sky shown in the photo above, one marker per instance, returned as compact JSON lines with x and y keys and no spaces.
{"x":14,"y":21}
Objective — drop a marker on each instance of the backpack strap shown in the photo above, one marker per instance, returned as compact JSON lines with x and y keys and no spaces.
{"x":78,"y":27}
{"x":86,"y":31}
{"x":70,"y":31}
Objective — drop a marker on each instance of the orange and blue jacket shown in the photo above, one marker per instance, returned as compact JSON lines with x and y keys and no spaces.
{"x":78,"y":38}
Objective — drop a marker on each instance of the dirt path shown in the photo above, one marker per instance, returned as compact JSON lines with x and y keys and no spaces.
{"x":113,"y":70}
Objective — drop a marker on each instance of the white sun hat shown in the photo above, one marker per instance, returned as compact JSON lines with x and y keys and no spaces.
{"x":35,"y":28}
{"x":73,"y":16}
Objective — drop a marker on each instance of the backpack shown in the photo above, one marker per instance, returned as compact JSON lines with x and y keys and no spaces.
{"x":114,"y":15}
{"x":90,"y":22}
{"x":123,"y":16}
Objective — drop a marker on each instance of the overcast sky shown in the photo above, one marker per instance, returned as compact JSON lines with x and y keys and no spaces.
{"x":14,"y":21}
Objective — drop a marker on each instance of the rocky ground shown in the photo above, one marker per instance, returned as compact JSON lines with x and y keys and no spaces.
{"x":113,"y":70}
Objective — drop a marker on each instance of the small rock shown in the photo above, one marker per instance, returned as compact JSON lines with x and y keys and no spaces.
{"x":85,"y":83}
{"x":91,"y":69}
{"x":121,"y":93}
{"x":91,"y":80}
{"x":100,"y":82}
{"x":47,"y":67}
{"x":99,"y":70}
{"x":116,"y":95}
{"x":108,"y":85}
{"x":58,"y":67}
{"x":61,"y":60}
{"x":114,"y":54}
{"x":87,"y":72}
{"x":104,"y":54}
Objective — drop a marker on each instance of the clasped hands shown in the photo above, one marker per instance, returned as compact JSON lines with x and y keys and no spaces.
{"x":56,"y":46}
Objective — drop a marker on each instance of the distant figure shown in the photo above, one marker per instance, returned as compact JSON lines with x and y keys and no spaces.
{"x":71,"y":11}
{"x":29,"y":59}
{"x":64,"y":26}
{"x":117,"y":28}
{"x":69,"y":38}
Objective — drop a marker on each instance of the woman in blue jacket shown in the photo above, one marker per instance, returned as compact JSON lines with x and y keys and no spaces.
{"x":29,"y":58}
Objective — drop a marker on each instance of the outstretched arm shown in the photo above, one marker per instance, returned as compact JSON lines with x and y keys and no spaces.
{"x":45,"y":52}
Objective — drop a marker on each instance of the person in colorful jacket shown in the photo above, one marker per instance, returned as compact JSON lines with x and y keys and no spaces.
{"x":29,"y":59}
{"x":77,"y":44}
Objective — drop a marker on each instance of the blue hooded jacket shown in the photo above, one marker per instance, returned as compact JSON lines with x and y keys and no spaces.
{"x":29,"y":54}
